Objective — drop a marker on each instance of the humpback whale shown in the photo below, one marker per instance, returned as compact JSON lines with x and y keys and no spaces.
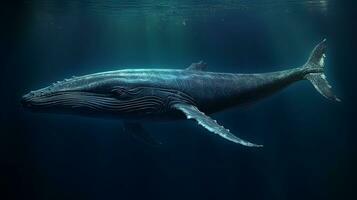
{"x":135,"y":95}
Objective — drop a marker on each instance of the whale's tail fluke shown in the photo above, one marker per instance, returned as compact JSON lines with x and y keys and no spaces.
{"x":314,"y":71}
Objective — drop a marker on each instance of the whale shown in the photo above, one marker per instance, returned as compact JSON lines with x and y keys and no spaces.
{"x":135,"y":96}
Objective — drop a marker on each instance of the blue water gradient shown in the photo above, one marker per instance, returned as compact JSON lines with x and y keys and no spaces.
{"x":309,"y":142}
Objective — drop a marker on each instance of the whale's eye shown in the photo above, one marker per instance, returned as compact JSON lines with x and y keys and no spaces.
{"x":119,"y":92}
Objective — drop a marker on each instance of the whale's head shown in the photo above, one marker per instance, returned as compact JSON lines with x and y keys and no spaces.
{"x":88,"y":94}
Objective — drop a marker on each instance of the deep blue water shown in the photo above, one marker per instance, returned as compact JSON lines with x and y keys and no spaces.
{"x":309,"y":142}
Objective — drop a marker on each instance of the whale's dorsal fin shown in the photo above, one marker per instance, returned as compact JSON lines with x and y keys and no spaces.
{"x":211,"y":125}
{"x":200,"y":66}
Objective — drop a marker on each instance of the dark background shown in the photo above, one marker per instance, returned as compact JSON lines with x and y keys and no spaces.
{"x":309,"y":143}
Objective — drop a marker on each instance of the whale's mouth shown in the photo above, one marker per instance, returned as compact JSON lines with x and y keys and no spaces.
{"x":88,"y":102}
{"x":72,"y":99}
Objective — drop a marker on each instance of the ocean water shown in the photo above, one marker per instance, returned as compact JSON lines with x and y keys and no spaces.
{"x":309,"y":142}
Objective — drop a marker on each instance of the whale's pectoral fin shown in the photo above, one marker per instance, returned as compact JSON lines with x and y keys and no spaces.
{"x":139,"y":132}
{"x":211,"y":125}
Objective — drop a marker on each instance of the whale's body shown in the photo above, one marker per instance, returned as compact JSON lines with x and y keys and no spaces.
{"x":134,"y":95}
